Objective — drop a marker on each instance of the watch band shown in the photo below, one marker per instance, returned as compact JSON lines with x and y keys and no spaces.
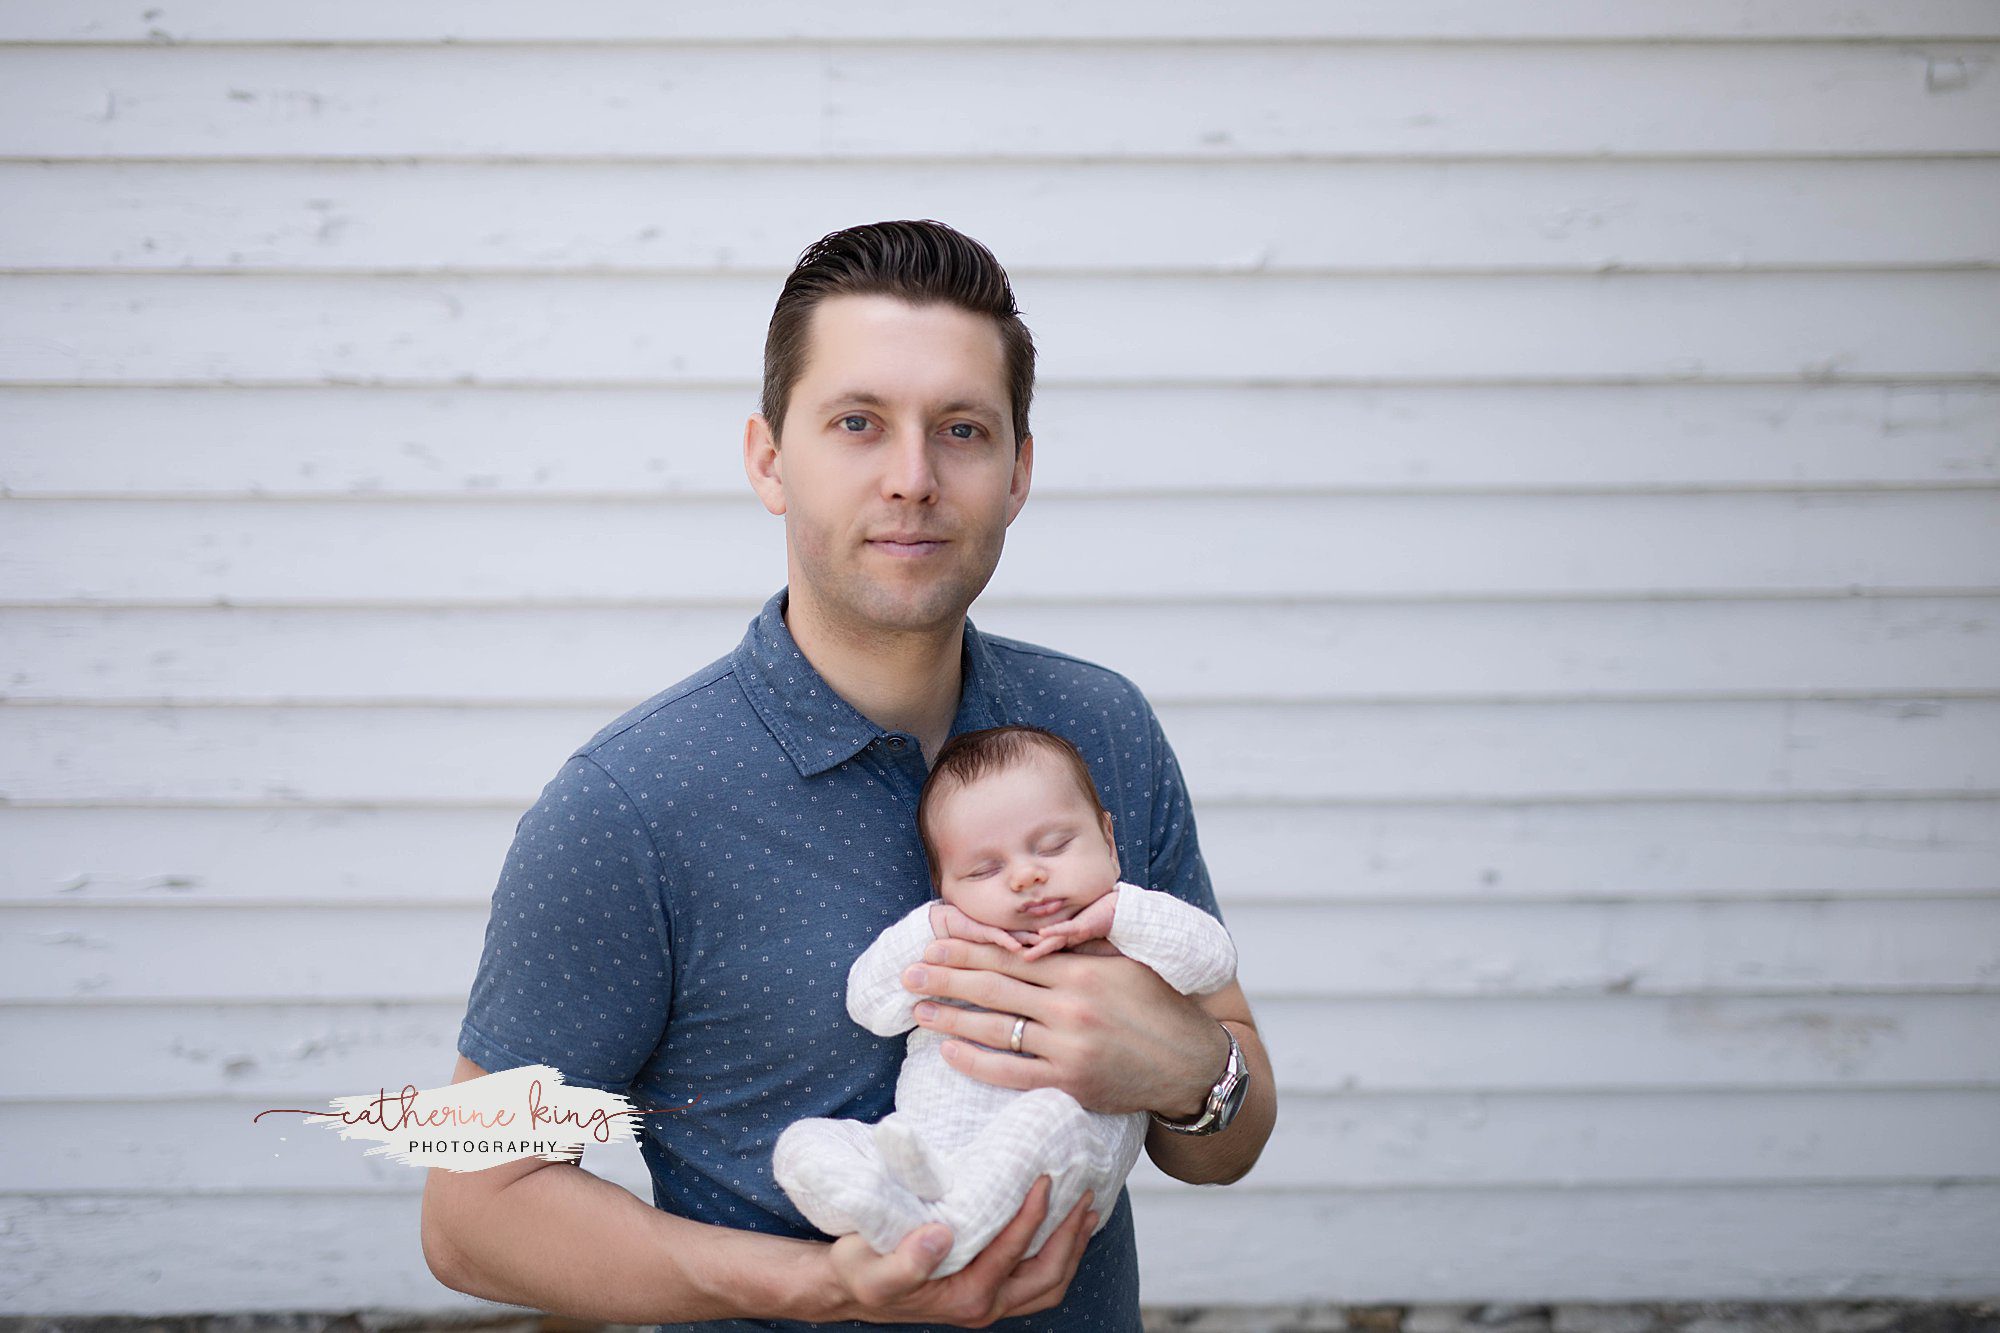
{"x":1224,"y":1098}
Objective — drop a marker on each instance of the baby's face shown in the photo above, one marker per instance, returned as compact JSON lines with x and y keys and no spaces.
{"x":1022,"y":848}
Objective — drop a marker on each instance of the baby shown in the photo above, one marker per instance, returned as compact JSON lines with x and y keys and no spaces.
{"x":1021,"y":855}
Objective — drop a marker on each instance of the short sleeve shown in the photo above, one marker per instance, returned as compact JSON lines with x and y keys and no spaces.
{"x":576,"y":970}
{"x":1175,"y":865}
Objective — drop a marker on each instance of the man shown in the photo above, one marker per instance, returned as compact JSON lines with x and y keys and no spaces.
{"x":680,"y":907}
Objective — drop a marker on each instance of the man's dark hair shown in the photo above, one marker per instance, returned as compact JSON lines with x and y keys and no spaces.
{"x":971,"y":755}
{"x":922,"y":262}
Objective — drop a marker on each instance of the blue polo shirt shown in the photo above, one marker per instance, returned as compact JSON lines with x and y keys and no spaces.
{"x":679,"y":909}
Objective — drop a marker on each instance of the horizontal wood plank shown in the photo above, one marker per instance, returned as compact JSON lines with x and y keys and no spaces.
{"x":1187,"y":652}
{"x":1571,"y":1140}
{"x":637,"y":443}
{"x":1299,"y":753}
{"x":909,"y":101}
{"x":1486,"y":1044}
{"x":1594,"y":215}
{"x":188,"y":953}
{"x":442,"y":855}
{"x":883,"y":21}
{"x":1339,"y":1142}
{"x":60,"y":329}
{"x":196,"y":1254}
{"x":1684,"y":1043}
{"x":1166,"y":549}
{"x":1764,"y":1243}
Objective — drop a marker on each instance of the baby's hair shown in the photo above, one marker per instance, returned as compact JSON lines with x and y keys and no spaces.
{"x":972,"y":755}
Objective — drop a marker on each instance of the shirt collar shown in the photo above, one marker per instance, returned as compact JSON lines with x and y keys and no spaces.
{"x":815,"y":726}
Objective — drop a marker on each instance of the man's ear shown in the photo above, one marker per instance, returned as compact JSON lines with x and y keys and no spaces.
{"x":1024,"y":468}
{"x":1112,"y":843}
{"x":761,"y":463}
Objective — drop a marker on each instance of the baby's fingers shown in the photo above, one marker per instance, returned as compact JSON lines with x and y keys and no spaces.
{"x":995,"y":935}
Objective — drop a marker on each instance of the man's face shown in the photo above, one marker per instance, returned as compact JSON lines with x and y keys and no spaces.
{"x":1022,"y":848}
{"x":897,"y":473}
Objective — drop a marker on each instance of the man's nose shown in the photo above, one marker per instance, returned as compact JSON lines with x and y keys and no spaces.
{"x":910,"y":472}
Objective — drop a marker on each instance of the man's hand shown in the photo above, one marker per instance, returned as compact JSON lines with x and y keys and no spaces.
{"x":897,"y":1287}
{"x":1107,"y":1030}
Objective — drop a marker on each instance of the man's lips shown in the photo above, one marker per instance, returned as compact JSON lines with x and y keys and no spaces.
{"x":907,"y":544}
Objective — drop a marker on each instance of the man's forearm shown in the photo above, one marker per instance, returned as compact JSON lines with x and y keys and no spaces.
{"x":565,"y":1241}
{"x":1220,"y":1159}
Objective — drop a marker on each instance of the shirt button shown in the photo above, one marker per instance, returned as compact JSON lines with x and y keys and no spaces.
{"x":895,"y":742}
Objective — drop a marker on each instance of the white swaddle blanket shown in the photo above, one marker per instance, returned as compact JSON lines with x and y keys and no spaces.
{"x":963,"y":1152}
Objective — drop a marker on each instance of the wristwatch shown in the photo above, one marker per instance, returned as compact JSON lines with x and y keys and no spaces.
{"x":1225,"y":1099}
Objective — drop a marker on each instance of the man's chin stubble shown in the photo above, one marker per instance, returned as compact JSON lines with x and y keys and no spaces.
{"x":934,"y":606}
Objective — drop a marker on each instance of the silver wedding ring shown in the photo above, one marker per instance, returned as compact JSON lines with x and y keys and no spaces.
{"x":1020,"y":1026}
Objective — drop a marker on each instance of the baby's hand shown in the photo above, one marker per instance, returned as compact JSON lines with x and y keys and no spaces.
{"x":1092,"y":923}
{"x":948,"y":922}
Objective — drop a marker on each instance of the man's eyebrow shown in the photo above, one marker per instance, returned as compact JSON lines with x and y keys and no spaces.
{"x":868,"y":399}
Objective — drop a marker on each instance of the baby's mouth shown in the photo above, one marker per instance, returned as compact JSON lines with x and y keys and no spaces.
{"x":1043,"y":907}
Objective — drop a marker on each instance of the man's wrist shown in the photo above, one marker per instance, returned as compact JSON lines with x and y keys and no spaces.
{"x":798,"y":1283}
{"x":1196,"y":1100}
{"x":822,"y":1299}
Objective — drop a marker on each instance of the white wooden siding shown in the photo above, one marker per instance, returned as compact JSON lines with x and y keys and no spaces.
{"x":1543,"y":459}
{"x":877,"y":21}
{"x":821,"y":99}
{"x":1350,"y":216}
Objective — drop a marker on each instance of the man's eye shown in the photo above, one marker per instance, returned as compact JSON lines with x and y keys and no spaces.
{"x":863,"y":420}
{"x":964,"y":425}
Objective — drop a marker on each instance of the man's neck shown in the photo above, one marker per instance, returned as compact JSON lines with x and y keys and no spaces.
{"x":901,"y":681}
